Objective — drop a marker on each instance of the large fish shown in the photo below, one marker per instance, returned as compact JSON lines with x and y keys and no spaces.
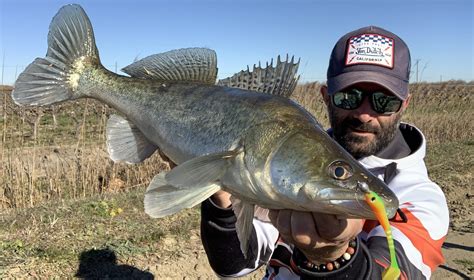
{"x":262,"y":148}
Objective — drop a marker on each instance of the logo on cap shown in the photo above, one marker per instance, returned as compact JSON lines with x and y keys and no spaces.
{"x":370,"y":49}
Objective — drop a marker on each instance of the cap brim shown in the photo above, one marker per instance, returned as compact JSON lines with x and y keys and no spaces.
{"x":397,"y":86}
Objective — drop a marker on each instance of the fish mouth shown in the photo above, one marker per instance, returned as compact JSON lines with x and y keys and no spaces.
{"x":363,"y":204}
{"x":346,"y":203}
{"x":353,"y":208}
{"x":389,"y":199}
{"x":356,"y":206}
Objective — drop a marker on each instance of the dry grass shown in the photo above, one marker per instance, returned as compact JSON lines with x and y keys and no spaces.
{"x":67,"y":210}
{"x":443,"y":111}
{"x":58,"y":152}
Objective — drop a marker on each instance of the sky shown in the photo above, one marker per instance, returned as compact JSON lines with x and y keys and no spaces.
{"x":439,"y":33}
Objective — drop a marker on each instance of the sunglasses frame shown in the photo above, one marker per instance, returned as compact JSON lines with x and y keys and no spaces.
{"x":371,"y":100}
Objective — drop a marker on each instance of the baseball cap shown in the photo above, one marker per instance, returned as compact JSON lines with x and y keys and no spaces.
{"x":370,"y":54}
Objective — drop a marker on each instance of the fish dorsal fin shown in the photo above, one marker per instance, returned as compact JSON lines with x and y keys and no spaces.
{"x":279,"y":80}
{"x":191,"y":64}
{"x":244,"y":212}
{"x":125,"y":142}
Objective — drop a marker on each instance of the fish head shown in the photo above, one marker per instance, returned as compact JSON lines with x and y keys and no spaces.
{"x":343,"y":190}
{"x":322,"y":177}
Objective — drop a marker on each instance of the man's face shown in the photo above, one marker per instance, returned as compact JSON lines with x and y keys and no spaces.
{"x":362,"y":131}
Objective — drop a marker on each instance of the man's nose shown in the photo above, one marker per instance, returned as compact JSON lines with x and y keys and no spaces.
{"x":365,"y":113}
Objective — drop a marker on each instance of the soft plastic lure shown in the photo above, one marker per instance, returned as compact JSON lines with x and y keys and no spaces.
{"x":376,"y":203}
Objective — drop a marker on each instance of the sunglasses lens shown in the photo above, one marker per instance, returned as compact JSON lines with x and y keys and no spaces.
{"x":385,"y":104}
{"x":348,"y":100}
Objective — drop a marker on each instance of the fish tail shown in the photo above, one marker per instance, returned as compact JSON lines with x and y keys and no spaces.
{"x":55,"y":78}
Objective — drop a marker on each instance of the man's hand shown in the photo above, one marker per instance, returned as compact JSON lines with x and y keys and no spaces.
{"x":321,"y":237}
{"x":221,"y":199}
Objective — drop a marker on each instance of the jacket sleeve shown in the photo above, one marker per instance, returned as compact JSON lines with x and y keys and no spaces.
{"x":219,"y":238}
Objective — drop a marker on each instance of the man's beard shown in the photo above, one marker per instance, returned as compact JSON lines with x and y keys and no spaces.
{"x":356,"y":145}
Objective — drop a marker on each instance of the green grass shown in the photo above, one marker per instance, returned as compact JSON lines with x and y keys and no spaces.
{"x":467,"y":264}
{"x":450,"y":165}
{"x":58,"y":233}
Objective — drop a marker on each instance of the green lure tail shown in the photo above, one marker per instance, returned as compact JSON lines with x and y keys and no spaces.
{"x":376,"y":204}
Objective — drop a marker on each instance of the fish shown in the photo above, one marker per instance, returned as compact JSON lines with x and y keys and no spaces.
{"x":243,"y":134}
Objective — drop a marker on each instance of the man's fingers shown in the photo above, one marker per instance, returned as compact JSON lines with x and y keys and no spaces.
{"x":321,"y":237}
{"x":329,"y":227}
{"x":281,"y":219}
{"x":333,"y":229}
{"x":273,"y":215}
{"x":303,"y":229}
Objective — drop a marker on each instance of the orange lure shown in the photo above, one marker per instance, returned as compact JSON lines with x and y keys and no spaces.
{"x":376,"y":204}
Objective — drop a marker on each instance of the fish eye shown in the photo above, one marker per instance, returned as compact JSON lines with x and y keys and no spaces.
{"x":340,"y":170}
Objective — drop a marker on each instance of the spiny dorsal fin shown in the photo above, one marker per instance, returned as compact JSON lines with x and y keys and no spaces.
{"x":191,"y":64}
{"x":279,"y":80}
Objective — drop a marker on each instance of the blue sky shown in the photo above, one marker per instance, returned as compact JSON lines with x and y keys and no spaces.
{"x":438,"y":32}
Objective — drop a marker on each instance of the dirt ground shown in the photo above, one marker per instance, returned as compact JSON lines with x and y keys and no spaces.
{"x":192,"y":262}
{"x":459,"y":245}
{"x":175,"y":257}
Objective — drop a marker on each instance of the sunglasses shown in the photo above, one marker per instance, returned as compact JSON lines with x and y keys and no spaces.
{"x":380,"y":101}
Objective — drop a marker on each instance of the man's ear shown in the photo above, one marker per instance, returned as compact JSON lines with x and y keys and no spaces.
{"x":406,"y":102}
{"x":325,"y":95}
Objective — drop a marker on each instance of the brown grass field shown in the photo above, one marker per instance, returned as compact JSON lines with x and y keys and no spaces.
{"x":66,"y":210}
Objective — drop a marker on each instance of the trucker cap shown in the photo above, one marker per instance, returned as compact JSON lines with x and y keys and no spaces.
{"x":370,"y":54}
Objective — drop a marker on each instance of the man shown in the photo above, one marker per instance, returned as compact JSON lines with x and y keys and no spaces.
{"x":366,"y":95}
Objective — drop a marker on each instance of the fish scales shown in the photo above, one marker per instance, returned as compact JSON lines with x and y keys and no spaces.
{"x":204,"y":119}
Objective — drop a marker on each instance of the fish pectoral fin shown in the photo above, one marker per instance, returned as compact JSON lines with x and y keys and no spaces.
{"x":279,"y":80}
{"x":163,"y":199}
{"x":245,"y":213}
{"x":125,"y":142}
{"x":191,"y":65}
{"x":202,"y":170}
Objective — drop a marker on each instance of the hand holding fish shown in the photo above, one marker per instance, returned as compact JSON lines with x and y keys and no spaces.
{"x":222,"y":199}
{"x":321,"y":237}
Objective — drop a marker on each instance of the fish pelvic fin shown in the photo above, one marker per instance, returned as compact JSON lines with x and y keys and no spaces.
{"x":55,"y":78}
{"x":279,"y":80}
{"x":262,"y":214}
{"x":125,"y":142}
{"x":163,"y":199}
{"x":191,"y":64}
{"x":244,"y":225}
